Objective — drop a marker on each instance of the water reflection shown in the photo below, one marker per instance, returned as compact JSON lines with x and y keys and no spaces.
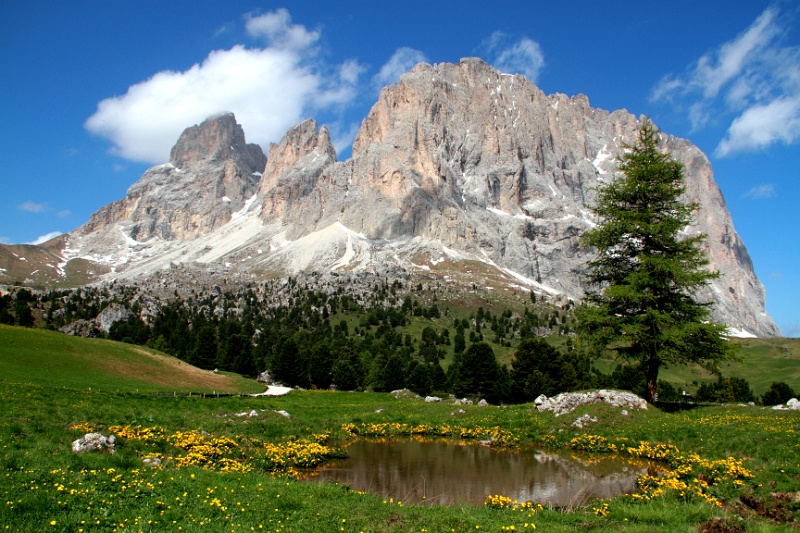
{"x":438,"y":472}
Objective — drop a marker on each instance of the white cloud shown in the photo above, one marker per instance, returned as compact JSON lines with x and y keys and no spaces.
{"x":64,"y":213}
{"x":403,"y":60}
{"x":761,"y":125}
{"x":760,"y":192}
{"x":31,"y":207}
{"x":269,"y":89}
{"x":44,"y":238}
{"x":278,"y":31}
{"x":4,"y":240}
{"x":524,"y":56}
{"x":714,"y":70}
{"x":751,"y":82}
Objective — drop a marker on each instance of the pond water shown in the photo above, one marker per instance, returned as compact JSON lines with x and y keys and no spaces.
{"x":443,"y":473}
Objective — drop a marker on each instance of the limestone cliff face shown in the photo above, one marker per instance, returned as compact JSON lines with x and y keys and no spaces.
{"x":290,"y":185}
{"x":455,"y":159}
{"x":211,"y":173}
{"x":487,"y":163}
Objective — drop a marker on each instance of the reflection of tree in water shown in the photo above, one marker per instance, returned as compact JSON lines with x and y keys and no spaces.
{"x":440,"y":472}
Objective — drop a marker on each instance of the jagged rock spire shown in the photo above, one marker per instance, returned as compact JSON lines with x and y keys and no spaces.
{"x":458,"y":158}
{"x":211,"y":174}
{"x":217,"y":138}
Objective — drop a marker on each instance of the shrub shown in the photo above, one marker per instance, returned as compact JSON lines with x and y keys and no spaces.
{"x":778,"y":393}
{"x":726,"y":390}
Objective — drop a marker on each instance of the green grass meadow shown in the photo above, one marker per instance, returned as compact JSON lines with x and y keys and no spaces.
{"x":760,"y":361}
{"x":724,"y":469}
{"x":50,"y":358}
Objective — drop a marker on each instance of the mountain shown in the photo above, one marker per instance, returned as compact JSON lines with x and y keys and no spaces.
{"x":456,"y":166}
{"x":210,"y":175}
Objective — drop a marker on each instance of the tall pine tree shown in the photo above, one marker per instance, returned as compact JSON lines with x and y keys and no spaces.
{"x":642,"y":287}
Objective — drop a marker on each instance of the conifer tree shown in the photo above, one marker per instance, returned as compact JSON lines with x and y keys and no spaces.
{"x":642,"y":287}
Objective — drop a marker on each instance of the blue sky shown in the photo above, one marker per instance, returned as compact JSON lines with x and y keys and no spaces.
{"x":94,"y":92}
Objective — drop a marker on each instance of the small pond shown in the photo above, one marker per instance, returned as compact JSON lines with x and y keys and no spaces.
{"x":443,"y":473}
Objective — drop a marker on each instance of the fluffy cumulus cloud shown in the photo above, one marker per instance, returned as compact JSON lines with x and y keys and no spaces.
{"x":752,"y":81}
{"x":522,"y":56}
{"x":269,"y":89}
{"x":401,"y":62}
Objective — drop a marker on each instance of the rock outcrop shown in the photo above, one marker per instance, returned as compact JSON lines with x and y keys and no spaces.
{"x":94,"y":442}
{"x":99,"y":325}
{"x":211,"y":174}
{"x":566,"y":402}
{"x":112,"y":314}
{"x":455,"y":161}
{"x":793,"y":405}
{"x":486,"y":163}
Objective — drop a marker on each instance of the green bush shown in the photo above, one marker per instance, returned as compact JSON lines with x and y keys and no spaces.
{"x":725,"y":390}
{"x":779,"y":392}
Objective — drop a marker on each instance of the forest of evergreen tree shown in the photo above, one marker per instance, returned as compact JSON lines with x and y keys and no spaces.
{"x":316,"y":339}
{"x":387,"y":338}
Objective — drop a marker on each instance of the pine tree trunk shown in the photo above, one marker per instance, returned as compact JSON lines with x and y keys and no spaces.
{"x":653,"y":365}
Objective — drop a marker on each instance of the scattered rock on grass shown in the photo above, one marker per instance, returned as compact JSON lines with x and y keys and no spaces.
{"x":567,"y":402}
{"x":792,"y":404}
{"x":405,"y":394}
{"x":584,"y":420}
{"x":94,"y":442}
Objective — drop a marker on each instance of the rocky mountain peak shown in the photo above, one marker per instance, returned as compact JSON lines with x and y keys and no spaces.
{"x":303,"y":145}
{"x":294,"y":165}
{"x":217,"y":138}
{"x":455,"y":162}
{"x":211,"y":174}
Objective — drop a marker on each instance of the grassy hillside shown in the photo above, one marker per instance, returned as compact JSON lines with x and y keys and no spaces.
{"x":41,"y":266}
{"x":761,"y":362}
{"x":733,"y":469}
{"x":50,"y":358}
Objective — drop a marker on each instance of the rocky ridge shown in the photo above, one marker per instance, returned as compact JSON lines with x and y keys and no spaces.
{"x":457,"y":164}
{"x":211,"y":174}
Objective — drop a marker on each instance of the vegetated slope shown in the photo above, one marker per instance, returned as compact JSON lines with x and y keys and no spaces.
{"x":43,"y":265}
{"x":50,"y":358}
{"x":760,"y":361}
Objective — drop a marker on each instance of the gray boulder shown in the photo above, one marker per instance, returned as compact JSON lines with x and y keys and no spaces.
{"x":111,"y":314}
{"x":94,"y":442}
{"x":567,"y":402}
